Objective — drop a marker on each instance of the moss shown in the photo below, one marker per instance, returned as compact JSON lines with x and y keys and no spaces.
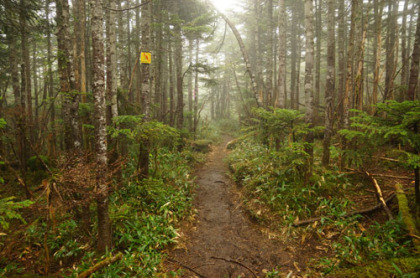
{"x":406,"y":215}
{"x":381,"y":268}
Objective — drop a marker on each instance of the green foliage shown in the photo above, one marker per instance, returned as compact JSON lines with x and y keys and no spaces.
{"x":144,"y":214}
{"x":9,"y":210}
{"x":395,"y":123}
{"x":275,"y":178}
{"x":277,"y":124}
{"x":357,"y":244}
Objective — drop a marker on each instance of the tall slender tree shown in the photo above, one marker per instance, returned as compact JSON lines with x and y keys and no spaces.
{"x":102,"y":190}
{"x":309,"y":86}
{"x":330,"y":84}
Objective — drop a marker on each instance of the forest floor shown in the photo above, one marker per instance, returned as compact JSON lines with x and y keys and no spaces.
{"x":223,"y":241}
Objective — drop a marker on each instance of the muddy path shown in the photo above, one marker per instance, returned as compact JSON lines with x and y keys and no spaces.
{"x":222,"y":241}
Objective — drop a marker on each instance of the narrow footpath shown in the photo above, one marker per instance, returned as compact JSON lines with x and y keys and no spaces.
{"x":223,"y":242}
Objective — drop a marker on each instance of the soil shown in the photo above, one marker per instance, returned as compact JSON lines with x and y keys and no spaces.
{"x":223,"y":241}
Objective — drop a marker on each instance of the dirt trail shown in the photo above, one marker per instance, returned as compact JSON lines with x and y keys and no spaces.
{"x":223,"y":242}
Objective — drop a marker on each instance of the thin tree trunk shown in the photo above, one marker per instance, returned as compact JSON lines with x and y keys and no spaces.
{"x":404,"y":53}
{"x":348,"y":88}
{"x":341,"y":61}
{"x":27,"y":66}
{"x":178,"y":68}
{"x":294,"y":55}
{"x":415,"y":58}
{"x":378,"y":49}
{"x":309,"y":86}
{"x":145,"y":88}
{"x":104,"y":223}
{"x":244,"y":55}
{"x":171,"y":85}
{"x":190,"y":87}
{"x":52,"y":138}
{"x":270,"y":56}
{"x":360,"y":63}
{"x":391,"y":50}
{"x":281,"y":94}
{"x":330,"y":85}
{"x":195,"y":94}
{"x":318,"y":59}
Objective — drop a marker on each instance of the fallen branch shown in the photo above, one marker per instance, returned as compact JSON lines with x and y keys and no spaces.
{"x":393,"y":177}
{"x":363,"y":211}
{"x":406,"y":216}
{"x":186,"y":267}
{"x":380,"y":195}
{"x":100,"y":265}
{"x":235,"y":262}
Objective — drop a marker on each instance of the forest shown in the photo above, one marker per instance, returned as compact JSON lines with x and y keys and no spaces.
{"x":207,"y":138}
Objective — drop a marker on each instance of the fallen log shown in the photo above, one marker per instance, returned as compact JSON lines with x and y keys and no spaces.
{"x":380,"y":195}
{"x":408,"y":220}
{"x":100,"y":265}
{"x":349,"y":214}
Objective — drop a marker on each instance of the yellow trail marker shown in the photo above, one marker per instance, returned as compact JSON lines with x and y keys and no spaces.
{"x":146,"y":58}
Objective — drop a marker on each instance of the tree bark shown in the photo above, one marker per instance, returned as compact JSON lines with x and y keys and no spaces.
{"x":178,"y":68}
{"x":270,"y":56}
{"x":378,"y":50}
{"x":145,"y":88}
{"x":281,"y":94}
{"x":404,"y":54}
{"x":309,"y":86}
{"x":349,"y":81}
{"x":330,"y":84}
{"x":67,"y":79}
{"x":104,"y":224}
{"x":415,"y":58}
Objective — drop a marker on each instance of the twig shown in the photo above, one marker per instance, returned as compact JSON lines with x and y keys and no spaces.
{"x":380,"y":195}
{"x":235,"y":262}
{"x":186,"y":267}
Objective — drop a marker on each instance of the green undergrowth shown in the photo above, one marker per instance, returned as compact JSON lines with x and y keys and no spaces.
{"x":275,"y":194}
{"x":145,"y":215}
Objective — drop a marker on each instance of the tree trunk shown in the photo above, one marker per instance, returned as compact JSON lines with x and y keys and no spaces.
{"x":293,"y":63}
{"x":318,"y":59}
{"x":195,"y":94}
{"x":111,"y":73}
{"x":190,"y":87}
{"x":281,"y":94}
{"x":378,"y":48}
{"x":67,"y":80}
{"x":178,"y":69}
{"x":330,"y":85}
{"x":244,"y":55}
{"x":358,"y":94}
{"x":391,"y":50}
{"x":27,"y":66}
{"x":145,"y":88}
{"x":404,"y":54}
{"x":270,"y":56}
{"x":104,"y":224}
{"x":415,"y":58}
{"x":341,"y":60}
{"x":309,"y":86}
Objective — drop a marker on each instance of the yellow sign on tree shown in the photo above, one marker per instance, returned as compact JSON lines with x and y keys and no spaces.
{"x":146,"y":58}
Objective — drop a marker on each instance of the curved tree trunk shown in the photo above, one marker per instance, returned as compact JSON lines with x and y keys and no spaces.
{"x":244,"y":54}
